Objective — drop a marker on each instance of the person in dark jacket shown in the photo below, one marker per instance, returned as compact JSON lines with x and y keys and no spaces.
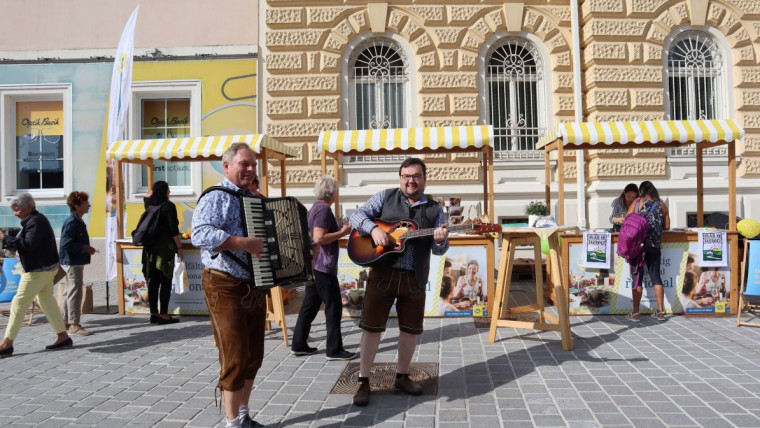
{"x":158,"y":259}
{"x":75,"y":252}
{"x":35,"y":244}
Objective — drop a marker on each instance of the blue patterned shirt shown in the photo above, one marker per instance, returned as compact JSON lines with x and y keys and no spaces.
{"x":362,"y":221}
{"x":216,"y":218}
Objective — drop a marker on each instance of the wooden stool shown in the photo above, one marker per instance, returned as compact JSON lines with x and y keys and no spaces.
{"x":511,"y":238}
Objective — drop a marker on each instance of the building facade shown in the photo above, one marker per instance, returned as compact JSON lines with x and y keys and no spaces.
{"x":364,"y":65}
{"x":191,"y":77}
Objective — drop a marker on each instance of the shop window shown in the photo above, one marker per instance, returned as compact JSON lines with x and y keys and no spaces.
{"x":36,"y":140}
{"x":515,"y":95}
{"x":166,"y":118}
{"x":166,"y":110}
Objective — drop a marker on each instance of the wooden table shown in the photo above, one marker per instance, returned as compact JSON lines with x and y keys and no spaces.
{"x":511,"y":238}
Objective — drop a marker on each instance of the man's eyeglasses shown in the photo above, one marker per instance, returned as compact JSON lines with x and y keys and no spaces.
{"x":415,"y":177}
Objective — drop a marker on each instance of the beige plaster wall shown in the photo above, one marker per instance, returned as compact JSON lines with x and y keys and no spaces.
{"x":622,"y":43}
{"x":47,"y":25}
{"x":304,"y":46}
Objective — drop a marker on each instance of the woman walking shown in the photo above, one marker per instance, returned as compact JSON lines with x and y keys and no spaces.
{"x":35,"y":244}
{"x":158,"y":259}
{"x":75,"y":252}
{"x":651,"y":206}
{"x":325,"y":233}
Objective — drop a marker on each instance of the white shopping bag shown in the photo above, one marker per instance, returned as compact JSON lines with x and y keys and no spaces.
{"x":180,"y":282}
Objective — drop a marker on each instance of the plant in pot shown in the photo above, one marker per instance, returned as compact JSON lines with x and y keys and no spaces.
{"x":534,"y":209}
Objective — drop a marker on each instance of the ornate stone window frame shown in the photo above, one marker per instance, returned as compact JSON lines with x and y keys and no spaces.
{"x":353,"y":50}
{"x":712,"y":58}
{"x":544,"y":110}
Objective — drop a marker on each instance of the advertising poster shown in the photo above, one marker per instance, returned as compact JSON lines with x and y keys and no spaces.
{"x":597,"y":248}
{"x":689,"y":287}
{"x":672,"y":263}
{"x":456,"y":284}
{"x":712,"y":248}
{"x":189,"y":302}
{"x":705,"y":289}
{"x":10,"y":278}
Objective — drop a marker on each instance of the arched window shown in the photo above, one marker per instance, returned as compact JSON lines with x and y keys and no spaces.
{"x":378,"y":86}
{"x":515,"y":94}
{"x":695,"y":78}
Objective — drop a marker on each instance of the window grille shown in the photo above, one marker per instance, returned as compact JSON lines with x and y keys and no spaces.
{"x":515,"y":97}
{"x":379,"y":83}
{"x":695,"y":83}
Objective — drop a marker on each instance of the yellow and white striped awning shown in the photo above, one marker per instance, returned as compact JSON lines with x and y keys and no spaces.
{"x":199,"y":148}
{"x":661,"y":131}
{"x":449,"y":137}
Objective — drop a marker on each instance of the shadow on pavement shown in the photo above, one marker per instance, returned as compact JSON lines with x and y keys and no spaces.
{"x":498,"y":371}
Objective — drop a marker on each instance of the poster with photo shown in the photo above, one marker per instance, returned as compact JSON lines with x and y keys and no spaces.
{"x":704,"y":288}
{"x":690,"y":288}
{"x":459,"y":275}
{"x":598,"y":249}
{"x":713,"y":249}
{"x":190,"y":302}
{"x":460,"y":287}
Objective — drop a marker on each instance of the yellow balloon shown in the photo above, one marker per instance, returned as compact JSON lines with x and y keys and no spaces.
{"x":748,"y":228}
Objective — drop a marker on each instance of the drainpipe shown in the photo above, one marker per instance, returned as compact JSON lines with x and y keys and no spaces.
{"x":577,"y":90}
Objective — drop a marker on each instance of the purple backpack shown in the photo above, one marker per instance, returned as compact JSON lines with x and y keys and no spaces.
{"x":633,"y":232}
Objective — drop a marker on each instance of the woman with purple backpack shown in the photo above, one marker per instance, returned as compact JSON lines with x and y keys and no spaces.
{"x":650,"y":206}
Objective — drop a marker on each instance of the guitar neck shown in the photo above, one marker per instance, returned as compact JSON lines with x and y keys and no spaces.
{"x":427,"y":232}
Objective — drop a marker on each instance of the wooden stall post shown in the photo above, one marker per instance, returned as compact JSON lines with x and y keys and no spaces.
{"x":731,"y":186}
{"x":700,"y":187}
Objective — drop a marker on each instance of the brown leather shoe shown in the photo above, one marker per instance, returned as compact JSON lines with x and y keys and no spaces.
{"x":361,"y":398}
{"x":405,"y":384}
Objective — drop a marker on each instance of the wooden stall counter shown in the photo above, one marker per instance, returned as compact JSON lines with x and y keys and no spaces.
{"x":690,"y":288}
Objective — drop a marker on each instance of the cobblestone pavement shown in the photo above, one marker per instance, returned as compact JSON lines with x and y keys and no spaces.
{"x":682,"y":372}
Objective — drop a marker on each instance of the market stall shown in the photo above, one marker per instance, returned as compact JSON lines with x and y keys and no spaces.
{"x":132,"y":292}
{"x":610,"y":288}
{"x":464,"y":249}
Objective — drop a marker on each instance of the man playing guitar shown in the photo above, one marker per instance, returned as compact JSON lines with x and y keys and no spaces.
{"x":402,"y":277}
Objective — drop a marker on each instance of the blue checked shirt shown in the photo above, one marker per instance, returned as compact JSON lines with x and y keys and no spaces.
{"x":216,"y":218}
{"x":361,"y":220}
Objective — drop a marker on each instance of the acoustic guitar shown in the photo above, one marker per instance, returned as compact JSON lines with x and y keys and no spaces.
{"x":363,"y":251}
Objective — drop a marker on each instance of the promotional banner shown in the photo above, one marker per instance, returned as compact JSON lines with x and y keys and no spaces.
{"x":188,"y":302}
{"x":689,"y":287}
{"x":118,"y":106}
{"x":456,"y":284}
{"x":713,"y":248}
{"x":753,"y":269}
{"x":598,"y":249}
{"x":10,"y":278}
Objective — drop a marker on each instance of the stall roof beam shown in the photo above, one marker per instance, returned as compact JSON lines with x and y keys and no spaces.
{"x":192,"y":148}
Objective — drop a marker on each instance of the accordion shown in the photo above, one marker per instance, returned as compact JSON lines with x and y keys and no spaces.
{"x":283,"y":226}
